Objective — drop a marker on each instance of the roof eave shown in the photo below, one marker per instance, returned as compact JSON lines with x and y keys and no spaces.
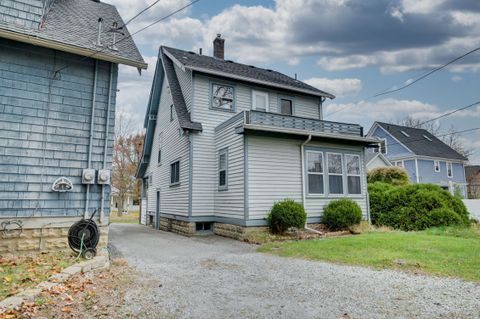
{"x":271,"y":84}
{"x":60,"y":46}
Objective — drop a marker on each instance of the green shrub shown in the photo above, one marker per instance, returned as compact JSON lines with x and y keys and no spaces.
{"x":415,"y":207}
{"x":341,"y":214}
{"x":390,"y":175}
{"x":286,"y":214}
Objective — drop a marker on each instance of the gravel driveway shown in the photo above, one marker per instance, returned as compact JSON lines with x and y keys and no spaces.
{"x":215,"y":277}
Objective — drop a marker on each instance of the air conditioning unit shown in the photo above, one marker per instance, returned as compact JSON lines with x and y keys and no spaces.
{"x":88,"y":176}
{"x":104,"y":177}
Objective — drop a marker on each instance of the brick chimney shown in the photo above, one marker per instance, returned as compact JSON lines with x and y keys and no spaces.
{"x":219,"y":47}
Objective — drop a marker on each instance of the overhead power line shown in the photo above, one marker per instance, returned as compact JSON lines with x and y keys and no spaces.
{"x":140,"y":13}
{"x":136,"y":32}
{"x":450,"y":113}
{"x":410,"y":83}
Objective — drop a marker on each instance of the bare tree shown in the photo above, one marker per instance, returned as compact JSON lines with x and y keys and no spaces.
{"x":127,"y":153}
{"x":409,"y":121}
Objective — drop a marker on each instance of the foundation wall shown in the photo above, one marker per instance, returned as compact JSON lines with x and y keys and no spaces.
{"x":177,"y":226}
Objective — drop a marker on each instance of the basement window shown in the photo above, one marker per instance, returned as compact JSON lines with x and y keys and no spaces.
{"x":203,"y":227}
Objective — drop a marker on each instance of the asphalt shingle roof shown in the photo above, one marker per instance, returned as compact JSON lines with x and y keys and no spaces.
{"x":420,"y":145}
{"x":232,"y":69}
{"x":177,"y":96}
{"x":75,"y":23}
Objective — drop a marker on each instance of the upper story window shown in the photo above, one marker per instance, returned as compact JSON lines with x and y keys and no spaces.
{"x":260,"y":101}
{"x":160,"y":142}
{"x":449,"y":169}
{"x":175,"y":173}
{"x":398,"y":163}
{"x":223,"y":169}
{"x":286,"y":106}
{"x":436,"y":165}
{"x":335,"y":173}
{"x":353,"y":174}
{"x":171,"y":113}
{"x":315,"y":182}
{"x":222,"y":96}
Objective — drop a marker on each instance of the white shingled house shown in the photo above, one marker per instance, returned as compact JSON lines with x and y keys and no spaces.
{"x":225,"y":140}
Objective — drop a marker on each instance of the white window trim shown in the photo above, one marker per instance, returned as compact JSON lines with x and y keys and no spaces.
{"x":435,"y":166}
{"x":315,"y":173}
{"x":223,"y":187}
{"x":336,"y":174}
{"x":212,"y":96}
{"x":401,"y":162}
{"x":254,"y":100}
{"x":355,"y":175}
{"x":280,"y":98}
{"x":451,"y":169}
{"x":179,"y":172}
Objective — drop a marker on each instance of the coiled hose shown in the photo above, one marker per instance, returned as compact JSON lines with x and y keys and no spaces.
{"x":84,"y":234}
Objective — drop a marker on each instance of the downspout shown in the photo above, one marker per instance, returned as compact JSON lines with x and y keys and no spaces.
{"x":107,"y":126}
{"x":90,"y":146}
{"x":304,"y":196}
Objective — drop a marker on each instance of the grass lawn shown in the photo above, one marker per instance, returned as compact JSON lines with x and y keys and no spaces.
{"x":130,"y":218}
{"x":18,"y":273}
{"x":443,"y":251}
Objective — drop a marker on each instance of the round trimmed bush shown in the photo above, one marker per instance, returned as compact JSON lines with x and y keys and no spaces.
{"x":341,"y":214}
{"x":390,"y":175}
{"x":286,"y":214}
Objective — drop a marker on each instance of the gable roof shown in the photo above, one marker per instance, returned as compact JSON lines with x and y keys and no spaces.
{"x":229,"y":69}
{"x":72,"y":26}
{"x":370,"y":156}
{"x":417,"y":142}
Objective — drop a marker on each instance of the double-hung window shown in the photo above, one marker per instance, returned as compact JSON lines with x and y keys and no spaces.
{"x":436,"y":165}
{"x":353,"y":174}
{"x":398,"y":163}
{"x":160,"y":143}
{"x":223,"y":169}
{"x":260,"y":101}
{"x":335,"y":173}
{"x":315,"y":172}
{"x":222,"y":97}
{"x":449,"y":170}
{"x":175,"y":173}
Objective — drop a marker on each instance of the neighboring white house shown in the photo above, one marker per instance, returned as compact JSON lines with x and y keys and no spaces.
{"x":225,"y":141}
{"x":376,"y":160}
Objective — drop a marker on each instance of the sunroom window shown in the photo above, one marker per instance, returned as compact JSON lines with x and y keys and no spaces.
{"x":315,"y":172}
{"x":353,"y":174}
{"x":335,"y":173}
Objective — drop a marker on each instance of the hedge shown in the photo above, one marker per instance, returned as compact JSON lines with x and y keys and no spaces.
{"x":390,"y":175}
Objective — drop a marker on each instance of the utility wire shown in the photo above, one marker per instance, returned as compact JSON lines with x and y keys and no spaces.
{"x":136,"y":32}
{"x":139,"y":14}
{"x":450,"y":113}
{"x":411,"y":83}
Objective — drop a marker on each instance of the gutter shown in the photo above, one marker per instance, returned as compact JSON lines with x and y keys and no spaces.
{"x":90,"y":144}
{"x":51,"y":44}
{"x":304,"y":196}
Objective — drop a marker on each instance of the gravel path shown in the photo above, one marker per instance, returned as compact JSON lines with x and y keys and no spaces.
{"x":214,"y":277}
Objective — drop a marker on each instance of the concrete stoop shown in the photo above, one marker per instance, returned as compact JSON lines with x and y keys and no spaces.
{"x":97,"y":263}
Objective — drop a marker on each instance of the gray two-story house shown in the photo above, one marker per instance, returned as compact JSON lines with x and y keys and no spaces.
{"x":426,"y":158}
{"x":225,"y":141}
{"x":58,"y":83}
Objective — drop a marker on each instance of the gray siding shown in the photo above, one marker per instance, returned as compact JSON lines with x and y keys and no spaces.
{"x":230,"y":202}
{"x":45,"y":127}
{"x":274,"y":174}
{"x":173,"y":199}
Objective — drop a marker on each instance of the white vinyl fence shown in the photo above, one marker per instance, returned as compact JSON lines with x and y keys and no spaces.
{"x":473,"y":206}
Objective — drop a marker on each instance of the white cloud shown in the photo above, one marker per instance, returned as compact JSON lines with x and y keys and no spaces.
{"x":456,"y":78}
{"x":337,"y":87}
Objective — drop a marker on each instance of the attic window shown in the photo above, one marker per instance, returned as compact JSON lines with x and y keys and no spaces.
{"x":427,"y":138}
{"x":404,"y":133}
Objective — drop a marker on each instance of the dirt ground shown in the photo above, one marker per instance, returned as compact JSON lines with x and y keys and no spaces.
{"x":91,"y":295}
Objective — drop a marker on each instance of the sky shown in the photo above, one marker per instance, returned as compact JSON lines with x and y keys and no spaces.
{"x":350,"y":48}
